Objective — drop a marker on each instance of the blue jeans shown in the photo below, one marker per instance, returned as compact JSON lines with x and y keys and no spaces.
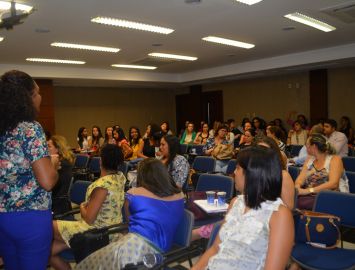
{"x":25,"y":239}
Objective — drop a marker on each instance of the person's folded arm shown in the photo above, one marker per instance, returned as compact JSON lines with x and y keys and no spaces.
{"x":89,"y":210}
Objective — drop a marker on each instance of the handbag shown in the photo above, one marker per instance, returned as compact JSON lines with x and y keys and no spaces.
{"x":223,"y":151}
{"x":85,"y":243}
{"x":317,"y":229}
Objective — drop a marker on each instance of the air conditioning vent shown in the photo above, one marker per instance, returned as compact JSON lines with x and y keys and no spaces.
{"x":344,"y":12}
{"x":154,"y":61}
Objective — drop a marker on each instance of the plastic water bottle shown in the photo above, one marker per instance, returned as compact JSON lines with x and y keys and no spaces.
{"x":152,"y":259}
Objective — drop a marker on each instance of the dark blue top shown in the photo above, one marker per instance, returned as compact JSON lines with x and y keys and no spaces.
{"x":155,"y":220}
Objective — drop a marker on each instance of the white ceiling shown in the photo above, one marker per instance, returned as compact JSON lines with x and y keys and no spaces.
{"x":261,"y":24}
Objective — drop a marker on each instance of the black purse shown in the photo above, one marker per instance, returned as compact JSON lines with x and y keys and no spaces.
{"x":85,"y":243}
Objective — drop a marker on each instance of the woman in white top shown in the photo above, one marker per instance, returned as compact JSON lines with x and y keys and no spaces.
{"x":257,"y":232}
{"x":83,"y":139}
{"x":297,"y":135}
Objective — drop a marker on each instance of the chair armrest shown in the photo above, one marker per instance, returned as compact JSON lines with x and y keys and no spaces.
{"x":69,"y":213}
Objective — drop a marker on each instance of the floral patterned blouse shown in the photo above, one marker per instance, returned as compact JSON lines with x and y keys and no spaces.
{"x":19,"y":189}
{"x":179,"y":170}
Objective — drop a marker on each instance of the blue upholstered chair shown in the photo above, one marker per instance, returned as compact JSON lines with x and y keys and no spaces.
{"x":294,"y":172}
{"x":309,"y":257}
{"x":349,"y":163}
{"x":351,"y":178}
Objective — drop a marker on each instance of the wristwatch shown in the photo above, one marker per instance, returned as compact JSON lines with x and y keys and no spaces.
{"x":311,"y":190}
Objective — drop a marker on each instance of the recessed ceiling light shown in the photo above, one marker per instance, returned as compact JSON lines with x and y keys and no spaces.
{"x":173,"y":56}
{"x":301,"y":18}
{"x":7,"y":5}
{"x":1,"y":39}
{"x":249,"y":2}
{"x":134,"y":66}
{"x":229,"y":42}
{"x":56,"y":61}
{"x":132,"y":25}
{"x":85,"y":47}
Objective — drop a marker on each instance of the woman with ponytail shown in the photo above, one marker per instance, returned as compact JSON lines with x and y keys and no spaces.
{"x":323,"y":170}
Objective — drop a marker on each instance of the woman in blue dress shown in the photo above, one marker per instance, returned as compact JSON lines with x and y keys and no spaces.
{"x":154,"y":210}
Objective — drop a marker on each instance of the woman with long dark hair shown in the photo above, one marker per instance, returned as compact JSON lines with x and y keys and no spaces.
{"x":27,"y":176}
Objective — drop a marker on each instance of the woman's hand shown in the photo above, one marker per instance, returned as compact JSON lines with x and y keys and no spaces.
{"x":303,"y":191}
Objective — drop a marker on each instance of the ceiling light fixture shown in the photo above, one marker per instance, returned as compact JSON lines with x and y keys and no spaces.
{"x":228,"y":42}
{"x":7,"y":5}
{"x":173,"y":56}
{"x":85,"y":47}
{"x":134,"y":66}
{"x":301,"y":18}
{"x":56,"y":61}
{"x":132,"y":25}
{"x":249,"y":2}
{"x":1,"y":39}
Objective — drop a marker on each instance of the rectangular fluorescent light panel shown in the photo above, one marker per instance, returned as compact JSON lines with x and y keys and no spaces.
{"x":134,"y":66}
{"x":7,"y":5}
{"x":173,"y":56}
{"x":1,"y":39}
{"x":249,"y":2}
{"x":229,"y":42}
{"x":301,"y":18}
{"x":56,"y":61}
{"x":85,"y":47}
{"x":132,"y":25}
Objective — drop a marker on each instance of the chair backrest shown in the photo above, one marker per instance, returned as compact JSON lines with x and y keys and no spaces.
{"x":204,"y":164}
{"x":78,"y":191}
{"x":349,"y":163}
{"x":81,"y":161}
{"x":216,"y":182}
{"x":183,"y":234}
{"x":337,"y":203}
{"x":295,"y":149}
{"x":214,"y":233}
{"x":351,"y":178}
{"x":94,"y":165}
{"x":183,"y":148}
{"x":123,"y":168}
{"x":294,"y":172}
{"x":198,"y":149}
{"x":232,"y":164}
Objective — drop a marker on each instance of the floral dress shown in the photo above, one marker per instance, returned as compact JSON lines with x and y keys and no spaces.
{"x":110,"y":211}
{"x":19,"y":149}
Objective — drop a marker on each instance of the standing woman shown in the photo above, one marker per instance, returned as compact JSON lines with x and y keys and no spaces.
{"x":58,"y":146}
{"x":26,"y":176}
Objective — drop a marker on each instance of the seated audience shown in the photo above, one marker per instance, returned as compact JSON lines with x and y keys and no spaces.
{"x":278,"y":123}
{"x":247,"y":125}
{"x":58,"y":146}
{"x":257,"y":232}
{"x":345,"y":127}
{"x":302,"y":155}
{"x":109,"y":136}
{"x":337,"y":139}
{"x":83,"y":139}
{"x":154,"y":210}
{"x":202,"y":136}
{"x":178,"y":167}
{"x":323,"y":170}
{"x":297,"y":135}
{"x":213,"y":148}
{"x":259,"y":125}
{"x":102,"y":206}
{"x":189,"y":134}
{"x":275,"y":133}
{"x":96,"y":141}
{"x":136,"y":143}
{"x":165,"y":128}
{"x":151,"y":143}
{"x":248,"y":138}
{"x":213,"y":131}
{"x":301,"y":119}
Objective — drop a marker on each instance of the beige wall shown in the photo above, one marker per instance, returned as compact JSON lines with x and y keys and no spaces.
{"x":341,"y":93}
{"x":270,"y":97}
{"x":76,"y":107}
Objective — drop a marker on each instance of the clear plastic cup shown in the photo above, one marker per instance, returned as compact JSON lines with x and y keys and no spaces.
{"x":210,"y":197}
{"x":221,"y":198}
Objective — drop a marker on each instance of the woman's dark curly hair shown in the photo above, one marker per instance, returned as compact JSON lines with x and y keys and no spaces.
{"x":16,"y":105}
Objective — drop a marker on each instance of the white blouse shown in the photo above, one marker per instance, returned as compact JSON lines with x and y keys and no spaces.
{"x":244,"y":237}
